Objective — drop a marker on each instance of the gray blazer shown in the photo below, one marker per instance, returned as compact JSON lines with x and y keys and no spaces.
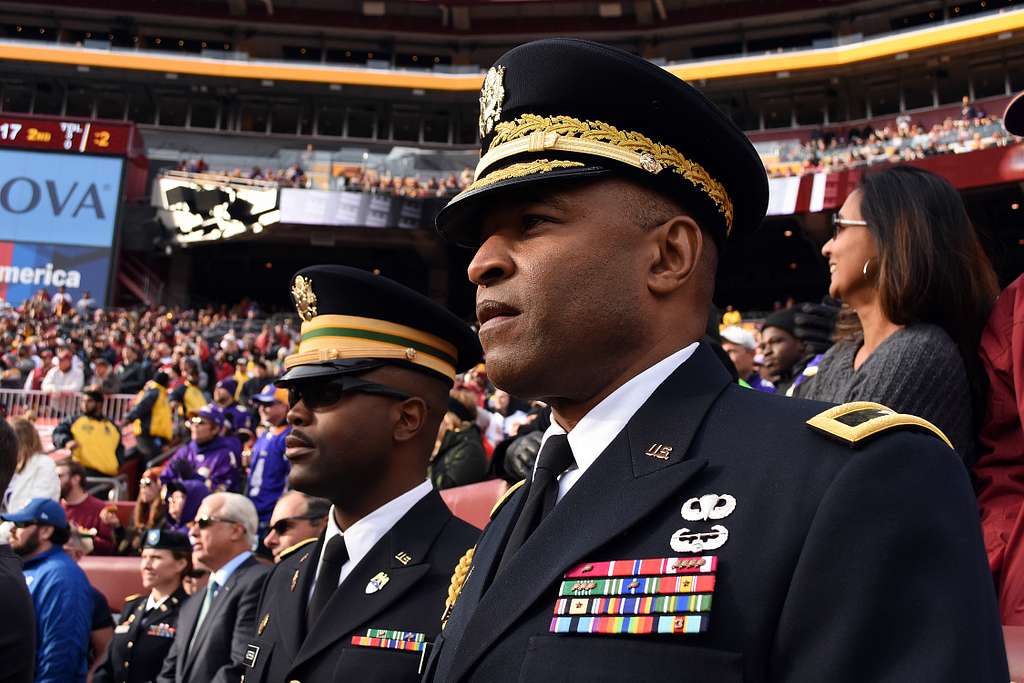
{"x":217,"y":655}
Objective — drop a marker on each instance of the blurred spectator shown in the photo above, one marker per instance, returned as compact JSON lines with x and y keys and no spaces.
{"x":459,"y":457}
{"x":86,"y":305}
{"x":187,"y":399}
{"x":148,"y":622}
{"x":131,"y":372}
{"x":18,"y":632}
{"x":151,"y":418}
{"x":64,"y":378}
{"x":35,"y":475}
{"x":148,"y":513}
{"x":209,"y":457}
{"x":255,"y":384}
{"x":918,"y":288}
{"x":182,"y":499}
{"x":237,"y":419}
{"x":61,"y":302}
{"x":94,"y":441}
{"x":731,"y":317}
{"x":34,"y":382}
{"x":296,"y":518}
{"x":83,"y":510}
{"x":268,"y":469}
{"x":60,"y":592}
{"x":195,"y":580}
{"x":101,"y":628}
{"x":786,"y":357}
{"x":742,"y":347}
{"x":103,"y":377}
{"x":501,"y":421}
{"x":222,"y":538}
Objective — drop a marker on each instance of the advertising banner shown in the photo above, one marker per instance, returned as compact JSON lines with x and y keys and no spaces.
{"x":361,"y":209}
{"x":58,"y":198}
{"x":27,"y":267}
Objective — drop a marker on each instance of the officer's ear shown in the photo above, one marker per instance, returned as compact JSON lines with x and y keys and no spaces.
{"x":411,"y":417}
{"x":679,"y":244}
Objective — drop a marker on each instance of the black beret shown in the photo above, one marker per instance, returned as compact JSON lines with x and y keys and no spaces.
{"x":164,"y":539}
{"x":568,"y":108}
{"x":353,"y":321}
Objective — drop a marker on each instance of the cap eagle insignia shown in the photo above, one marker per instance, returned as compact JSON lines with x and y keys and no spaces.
{"x":305,"y":299}
{"x":492,"y":94}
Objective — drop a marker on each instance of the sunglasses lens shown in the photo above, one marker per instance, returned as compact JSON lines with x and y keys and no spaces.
{"x":315,"y":395}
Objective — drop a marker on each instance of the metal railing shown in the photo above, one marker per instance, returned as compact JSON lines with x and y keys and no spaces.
{"x":57,"y":407}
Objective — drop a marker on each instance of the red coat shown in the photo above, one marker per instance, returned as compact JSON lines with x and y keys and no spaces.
{"x":1000,"y":469}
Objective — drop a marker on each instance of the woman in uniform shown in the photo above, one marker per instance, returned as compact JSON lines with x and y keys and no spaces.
{"x":147,"y":625}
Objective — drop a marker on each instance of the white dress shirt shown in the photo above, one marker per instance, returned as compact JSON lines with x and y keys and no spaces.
{"x":152,"y":603}
{"x":364,"y":534}
{"x":222,"y":575}
{"x":602,"y":424}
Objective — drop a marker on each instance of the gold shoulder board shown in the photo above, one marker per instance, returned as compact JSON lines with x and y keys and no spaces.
{"x":506,"y":496}
{"x":133,"y":596}
{"x":292,"y":548}
{"x":858,"y":422}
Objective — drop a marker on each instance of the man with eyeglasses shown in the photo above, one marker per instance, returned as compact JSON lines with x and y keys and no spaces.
{"x":215,"y":624}
{"x":268,"y":468}
{"x":60,"y":591}
{"x":368,"y":387}
{"x":297,"y":521}
{"x":210,"y":457}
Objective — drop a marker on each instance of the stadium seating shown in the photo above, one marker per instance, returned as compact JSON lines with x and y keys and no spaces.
{"x":473,"y":503}
{"x":115,"y":577}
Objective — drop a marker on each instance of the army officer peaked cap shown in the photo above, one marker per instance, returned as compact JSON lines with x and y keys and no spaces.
{"x":567,"y":108}
{"x":354,"y":321}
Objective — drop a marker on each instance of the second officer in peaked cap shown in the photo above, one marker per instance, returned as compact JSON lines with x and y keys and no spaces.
{"x":678,"y":526}
{"x":367,"y":389}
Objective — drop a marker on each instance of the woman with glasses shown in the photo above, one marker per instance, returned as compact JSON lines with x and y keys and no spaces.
{"x":148,"y":622}
{"x":148,"y":513}
{"x":916,"y":288}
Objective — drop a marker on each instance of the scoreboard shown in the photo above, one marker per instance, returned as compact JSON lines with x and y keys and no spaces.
{"x":71,"y":136}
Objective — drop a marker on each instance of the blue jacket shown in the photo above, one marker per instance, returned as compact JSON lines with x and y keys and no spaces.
{"x":216,"y":463}
{"x":63,"y":603}
{"x":268,"y":471}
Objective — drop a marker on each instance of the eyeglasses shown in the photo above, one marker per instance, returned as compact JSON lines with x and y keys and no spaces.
{"x":318,"y":394}
{"x":145,"y":481}
{"x":206,"y":521}
{"x":199,"y":420}
{"x":839,"y":224}
{"x":282,"y":526}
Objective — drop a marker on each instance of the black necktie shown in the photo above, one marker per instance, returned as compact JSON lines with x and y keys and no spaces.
{"x":335,"y":555}
{"x":554,"y":459}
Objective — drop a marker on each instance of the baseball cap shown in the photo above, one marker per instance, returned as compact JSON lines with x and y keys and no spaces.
{"x":739,"y":336}
{"x":211,"y":413}
{"x":229,"y":385}
{"x":40,"y":511}
{"x":271,"y":394}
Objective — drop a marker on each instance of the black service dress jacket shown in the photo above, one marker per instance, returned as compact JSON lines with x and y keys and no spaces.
{"x":141,"y":640}
{"x":839,"y":565}
{"x":418,"y":556}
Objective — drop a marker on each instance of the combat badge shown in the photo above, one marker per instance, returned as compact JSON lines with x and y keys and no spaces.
{"x":685,"y":541}
{"x":710,"y":506}
{"x":492,"y":94}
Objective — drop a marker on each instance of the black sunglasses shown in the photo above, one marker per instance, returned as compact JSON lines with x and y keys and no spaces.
{"x":318,"y":394}
{"x":206,"y":522}
{"x":282,"y":526}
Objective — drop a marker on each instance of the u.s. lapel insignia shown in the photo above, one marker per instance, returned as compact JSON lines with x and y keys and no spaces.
{"x":305,"y":298}
{"x":710,"y":506}
{"x":263,"y":624}
{"x":659,"y":451}
{"x":295,"y":579}
{"x":492,"y":94}
{"x":403,"y":557}
{"x":377,"y":582}
{"x":685,"y":541}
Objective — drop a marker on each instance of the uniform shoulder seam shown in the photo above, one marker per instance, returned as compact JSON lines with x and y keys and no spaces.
{"x":505,"y":496}
{"x":292,"y":548}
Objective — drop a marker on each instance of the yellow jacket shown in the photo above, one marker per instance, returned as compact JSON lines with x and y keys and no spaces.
{"x":152,"y":412}
{"x":98,"y":442}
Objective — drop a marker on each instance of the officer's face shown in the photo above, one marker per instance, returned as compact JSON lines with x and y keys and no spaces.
{"x":340,"y":451}
{"x":561,"y":285}
{"x":160,"y":568}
